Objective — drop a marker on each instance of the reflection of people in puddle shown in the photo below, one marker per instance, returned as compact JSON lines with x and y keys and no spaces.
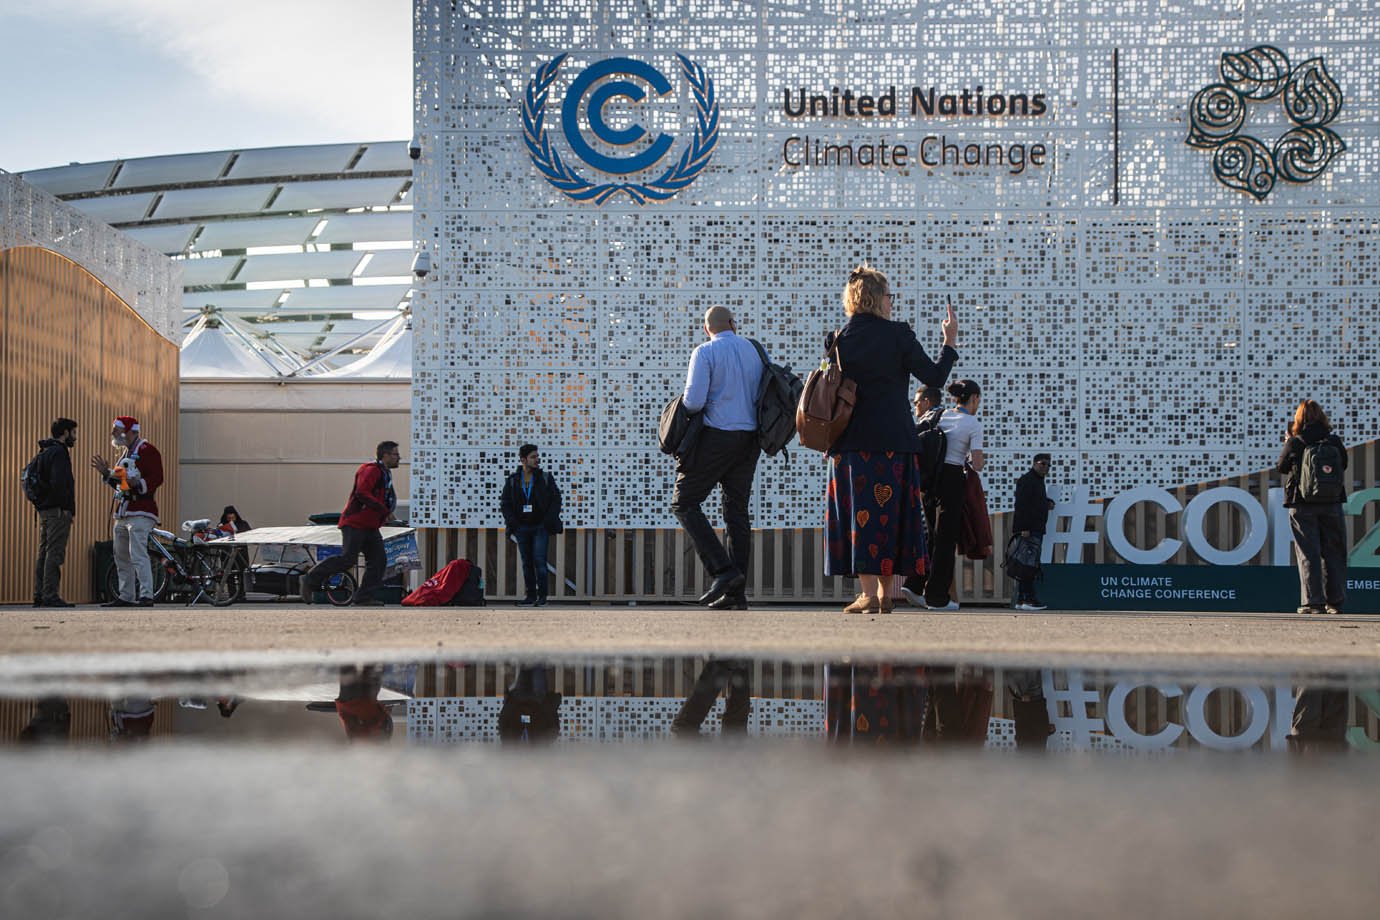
{"x":960,"y":705}
{"x":361,"y":713}
{"x":732,"y":677}
{"x":131,"y":719}
{"x":1029,"y":709}
{"x":875,"y":704}
{"x":531,"y":709}
{"x":50,"y":723}
{"x":1319,"y":722}
{"x":903,"y":704}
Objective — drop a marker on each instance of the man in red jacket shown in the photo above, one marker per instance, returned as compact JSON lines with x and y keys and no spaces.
{"x":369,"y":507}
{"x":135,"y":477}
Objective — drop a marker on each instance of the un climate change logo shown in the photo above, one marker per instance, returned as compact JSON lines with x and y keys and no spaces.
{"x":1311,"y":99}
{"x":676,"y":176}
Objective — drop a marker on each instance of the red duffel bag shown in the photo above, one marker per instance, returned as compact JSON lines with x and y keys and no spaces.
{"x":458,"y":583}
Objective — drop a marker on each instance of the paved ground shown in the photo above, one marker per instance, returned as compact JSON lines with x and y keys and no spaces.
{"x":998,"y":636}
{"x":712,"y":831}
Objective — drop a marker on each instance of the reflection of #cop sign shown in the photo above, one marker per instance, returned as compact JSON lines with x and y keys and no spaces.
{"x":588,"y":92}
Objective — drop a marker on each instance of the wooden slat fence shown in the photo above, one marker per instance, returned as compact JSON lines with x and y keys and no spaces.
{"x":660,"y":565}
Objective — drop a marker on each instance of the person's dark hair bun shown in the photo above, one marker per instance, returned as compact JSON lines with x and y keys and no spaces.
{"x":964,"y":390}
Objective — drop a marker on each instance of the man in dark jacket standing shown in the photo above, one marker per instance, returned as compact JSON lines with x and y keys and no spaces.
{"x":57,"y":507}
{"x":369,"y":507}
{"x":531,"y":506}
{"x":1028,"y":521}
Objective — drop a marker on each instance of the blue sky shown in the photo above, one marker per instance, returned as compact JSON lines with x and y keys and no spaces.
{"x":91,"y":80}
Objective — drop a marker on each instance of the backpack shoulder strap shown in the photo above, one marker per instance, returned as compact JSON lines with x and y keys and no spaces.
{"x":761,"y":352}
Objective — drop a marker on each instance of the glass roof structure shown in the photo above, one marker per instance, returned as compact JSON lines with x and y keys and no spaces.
{"x":302,"y":245}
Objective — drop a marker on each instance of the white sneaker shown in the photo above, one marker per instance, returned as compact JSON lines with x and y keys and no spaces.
{"x":951,"y":605}
{"x":1026,"y":606}
{"x":913,"y":598}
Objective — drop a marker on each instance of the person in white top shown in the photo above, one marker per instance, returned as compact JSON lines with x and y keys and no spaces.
{"x":944,"y":503}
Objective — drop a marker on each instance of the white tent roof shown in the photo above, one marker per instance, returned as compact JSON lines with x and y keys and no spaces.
{"x":210,"y":350}
{"x":391,"y":358}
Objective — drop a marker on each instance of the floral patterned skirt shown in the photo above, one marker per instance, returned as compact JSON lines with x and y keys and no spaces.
{"x":873,"y":521}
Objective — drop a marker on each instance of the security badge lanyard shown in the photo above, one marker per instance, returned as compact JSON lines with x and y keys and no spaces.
{"x":527,"y":492}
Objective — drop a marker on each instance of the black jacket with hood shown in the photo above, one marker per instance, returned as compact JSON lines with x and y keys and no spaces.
{"x":55,"y":471}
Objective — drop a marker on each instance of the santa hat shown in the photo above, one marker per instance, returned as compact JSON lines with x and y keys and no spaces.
{"x":127,"y":423}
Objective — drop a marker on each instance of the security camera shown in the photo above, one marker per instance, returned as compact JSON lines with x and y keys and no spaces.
{"x":421,"y":264}
{"x":414,"y":149}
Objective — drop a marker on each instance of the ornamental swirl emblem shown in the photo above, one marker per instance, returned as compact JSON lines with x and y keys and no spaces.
{"x":1311,"y":99}
{"x":558,"y":171}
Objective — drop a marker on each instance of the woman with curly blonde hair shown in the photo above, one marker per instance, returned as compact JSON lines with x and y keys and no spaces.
{"x":874,"y":524}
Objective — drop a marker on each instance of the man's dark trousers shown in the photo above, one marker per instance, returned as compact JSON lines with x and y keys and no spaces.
{"x":727,"y":459}
{"x":532,"y":541}
{"x":52,"y":550}
{"x":732,"y":677}
{"x":353,"y":541}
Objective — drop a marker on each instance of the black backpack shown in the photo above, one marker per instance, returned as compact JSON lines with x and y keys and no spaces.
{"x":31,"y":478}
{"x":471,"y":593}
{"x":934,"y":443}
{"x":1321,"y":480}
{"x":778,"y":395}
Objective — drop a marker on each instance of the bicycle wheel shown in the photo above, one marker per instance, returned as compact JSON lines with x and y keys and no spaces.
{"x":157,"y":564}
{"x":340,"y":589}
{"x":218,"y":584}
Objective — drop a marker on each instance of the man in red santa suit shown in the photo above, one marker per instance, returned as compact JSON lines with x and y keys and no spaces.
{"x":135,"y":477}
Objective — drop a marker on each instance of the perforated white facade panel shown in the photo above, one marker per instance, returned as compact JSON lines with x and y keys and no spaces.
{"x":1121,"y":304}
{"x":146,"y":280}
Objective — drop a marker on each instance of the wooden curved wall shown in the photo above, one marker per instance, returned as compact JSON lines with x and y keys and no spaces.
{"x":73,"y":348}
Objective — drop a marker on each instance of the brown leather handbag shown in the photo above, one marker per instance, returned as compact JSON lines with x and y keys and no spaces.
{"x":826,"y":404}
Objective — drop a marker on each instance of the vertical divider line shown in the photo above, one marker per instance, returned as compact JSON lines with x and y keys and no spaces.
{"x":1116,"y":126}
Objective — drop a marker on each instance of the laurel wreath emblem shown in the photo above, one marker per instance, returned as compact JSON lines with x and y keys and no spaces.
{"x":1311,"y":99}
{"x":548,"y":161}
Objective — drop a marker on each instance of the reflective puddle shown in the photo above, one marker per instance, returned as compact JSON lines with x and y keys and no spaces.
{"x":752,"y":701}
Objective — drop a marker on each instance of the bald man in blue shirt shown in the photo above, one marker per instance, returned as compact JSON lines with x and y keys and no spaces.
{"x":722,"y":382}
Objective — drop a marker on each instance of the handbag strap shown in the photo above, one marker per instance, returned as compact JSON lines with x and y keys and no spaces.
{"x":832,"y":348}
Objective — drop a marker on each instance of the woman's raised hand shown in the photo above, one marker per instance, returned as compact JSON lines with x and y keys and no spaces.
{"x":950,"y":328}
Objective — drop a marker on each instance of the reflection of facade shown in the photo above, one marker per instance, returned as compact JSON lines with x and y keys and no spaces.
{"x":638,"y":699}
{"x":1123,"y":310}
{"x":89,"y":322}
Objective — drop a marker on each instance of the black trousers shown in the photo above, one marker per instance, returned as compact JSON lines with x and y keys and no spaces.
{"x":727,"y":459}
{"x":1320,"y":548}
{"x":732,"y":677}
{"x":353,"y":541}
{"x":946,"y":499}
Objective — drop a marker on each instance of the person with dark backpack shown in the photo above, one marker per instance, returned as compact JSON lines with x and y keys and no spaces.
{"x":1313,"y":464}
{"x":50,"y":487}
{"x":723,"y":381}
{"x":929,"y":408}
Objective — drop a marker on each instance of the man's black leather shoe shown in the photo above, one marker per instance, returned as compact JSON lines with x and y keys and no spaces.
{"x":730,"y":602}
{"x":730,"y":582}
{"x":58,"y":602}
{"x":144,"y":602}
{"x":117,"y":602}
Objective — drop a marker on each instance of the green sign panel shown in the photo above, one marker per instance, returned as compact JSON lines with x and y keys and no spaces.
{"x":1198,"y":588}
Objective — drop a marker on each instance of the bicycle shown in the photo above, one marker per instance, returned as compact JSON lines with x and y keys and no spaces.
{"x":182,"y":568}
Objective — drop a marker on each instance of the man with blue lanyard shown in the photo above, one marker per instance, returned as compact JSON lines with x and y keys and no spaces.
{"x":721,"y":382}
{"x":531,"y":506}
